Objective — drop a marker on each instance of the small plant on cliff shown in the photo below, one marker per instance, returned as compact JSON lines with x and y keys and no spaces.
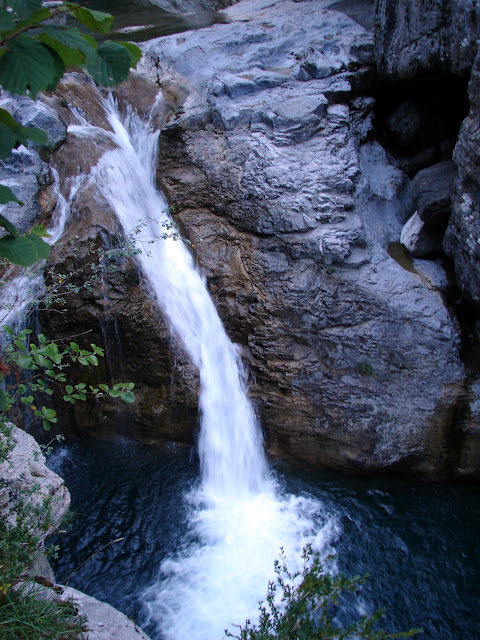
{"x":32,"y":613}
{"x":38,"y":367}
{"x":304,"y":606}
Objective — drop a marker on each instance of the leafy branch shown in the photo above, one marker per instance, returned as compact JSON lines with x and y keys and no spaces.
{"x":303,"y":606}
{"x":44,"y":364}
{"x":34,"y":55}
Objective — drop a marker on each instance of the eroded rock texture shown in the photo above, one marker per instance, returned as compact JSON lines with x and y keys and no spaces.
{"x":268,"y":157}
{"x":269,"y":165}
{"x":462,"y":241}
{"x":418,"y":41}
{"x":414,"y":37}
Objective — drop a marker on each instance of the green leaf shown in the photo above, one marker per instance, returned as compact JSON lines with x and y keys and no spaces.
{"x":33,"y":19}
{"x":128,"y":397}
{"x":12,"y":230}
{"x":24,"y":333}
{"x":25,"y":362}
{"x":7,"y":141}
{"x":24,"y":250}
{"x":94,"y":20}
{"x":6,"y":20}
{"x":38,"y":136}
{"x":58,"y":69}
{"x":25,"y":8}
{"x":40,"y":230}
{"x":46,"y":425}
{"x":21,"y":345}
{"x":28,"y":400}
{"x":109,"y":65}
{"x":98,"y":350}
{"x":74,"y":346}
{"x":49,"y":414}
{"x":134,"y":51}
{"x":27,"y":67}
{"x":93,"y":360}
{"x":8,"y":329}
{"x":70,"y":56}
{"x":69,"y":389}
{"x":8,"y":119}
{"x":7,"y":195}
{"x":71,"y":38}
{"x":3,"y":400}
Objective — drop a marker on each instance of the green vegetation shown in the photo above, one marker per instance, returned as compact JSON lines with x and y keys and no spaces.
{"x":365,"y":369}
{"x":305,"y":606}
{"x":31,"y":613}
{"x":37,"y":46}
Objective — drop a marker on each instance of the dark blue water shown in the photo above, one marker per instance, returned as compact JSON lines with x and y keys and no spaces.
{"x":420,"y":542}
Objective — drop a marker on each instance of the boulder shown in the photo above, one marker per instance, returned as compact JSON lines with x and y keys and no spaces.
{"x":24,"y":473}
{"x":419,"y":239}
{"x":103,"y":621}
{"x":432,"y":191}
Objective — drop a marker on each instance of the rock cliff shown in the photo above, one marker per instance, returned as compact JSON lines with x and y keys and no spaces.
{"x":271,"y":164}
{"x":289,"y":165}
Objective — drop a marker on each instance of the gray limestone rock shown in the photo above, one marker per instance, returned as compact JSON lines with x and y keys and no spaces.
{"x":24,"y":473}
{"x":420,"y":239}
{"x":292,"y":223}
{"x":462,"y":239}
{"x":432,"y":191}
{"x":414,"y":37}
{"x":292,"y":209}
{"x":103,"y":621}
{"x":25,"y":171}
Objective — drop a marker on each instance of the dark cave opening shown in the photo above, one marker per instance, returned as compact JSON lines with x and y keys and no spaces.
{"x":418,"y":121}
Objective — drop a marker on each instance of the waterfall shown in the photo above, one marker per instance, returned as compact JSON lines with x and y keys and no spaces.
{"x":27,"y":284}
{"x":238,"y":516}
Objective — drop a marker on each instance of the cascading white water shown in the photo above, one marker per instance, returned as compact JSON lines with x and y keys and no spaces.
{"x":28,"y":286}
{"x":238,"y":517}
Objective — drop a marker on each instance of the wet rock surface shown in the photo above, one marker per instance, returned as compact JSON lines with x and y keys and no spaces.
{"x":354,"y":360}
{"x":116,"y":309}
{"x":269,"y":160}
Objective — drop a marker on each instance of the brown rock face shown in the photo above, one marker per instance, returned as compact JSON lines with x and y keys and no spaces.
{"x":115,"y":309}
{"x":269,"y":163}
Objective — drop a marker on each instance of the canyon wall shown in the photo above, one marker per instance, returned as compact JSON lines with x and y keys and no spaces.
{"x":292,"y":153}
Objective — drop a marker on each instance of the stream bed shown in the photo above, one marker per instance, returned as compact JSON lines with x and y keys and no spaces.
{"x":419,"y":541}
